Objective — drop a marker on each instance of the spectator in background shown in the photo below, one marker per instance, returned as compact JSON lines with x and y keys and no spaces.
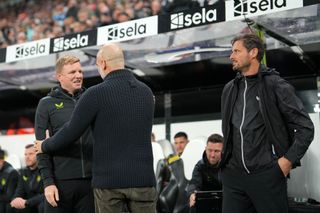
{"x":180,"y":142}
{"x":104,"y":14}
{"x":8,"y":183}
{"x":176,"y":6}
{"x":155,"y":7}
{"x":206,"y":173}
{"x":28,"y":197}
{"x":123,"y":17}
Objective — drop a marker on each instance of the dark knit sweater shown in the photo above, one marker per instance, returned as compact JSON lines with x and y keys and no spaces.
{"x":120,"y":113}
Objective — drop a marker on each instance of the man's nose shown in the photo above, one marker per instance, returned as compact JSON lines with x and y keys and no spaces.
{"x":231,"y":56}
{"x":79,"y":74}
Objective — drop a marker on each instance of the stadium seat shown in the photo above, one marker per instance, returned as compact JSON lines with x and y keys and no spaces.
{"x":157,"y":155}
{"x":14,"y":160}
{"x":167,"y":148}
{"x":192,"y":154}
{"x":173,"y":198}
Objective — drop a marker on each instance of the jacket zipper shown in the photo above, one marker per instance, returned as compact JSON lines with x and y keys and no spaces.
{"x":241,"y":125}
{"x":81,"y":147}
{"x":264,"y":120}
{"x":82,"y":160}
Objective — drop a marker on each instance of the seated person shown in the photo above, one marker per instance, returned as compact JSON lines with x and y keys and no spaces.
{"x":28,"y":197}
{"x":8,"y":183}
{"x":180,"y":142}
{"x":206,"y":174}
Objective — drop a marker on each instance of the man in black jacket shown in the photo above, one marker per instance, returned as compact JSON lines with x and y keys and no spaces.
{"x":66,"y":174}
{"x":266,"y":133}
{"x":8,"y":183}
{"x":120,"y":113}
{"x":206,"y":173}
{"x":28,"y":197}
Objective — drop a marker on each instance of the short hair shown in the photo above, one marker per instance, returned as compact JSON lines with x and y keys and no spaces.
{"x":28,"y":146}
{"x":181,"y":134}
{"x":251,"y":41}
{"x":215,"y":138}
{"x":64,"y":60}
{"x":2,"y":154}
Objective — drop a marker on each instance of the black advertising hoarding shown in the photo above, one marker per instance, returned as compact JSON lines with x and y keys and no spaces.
{"x":191,"y":18}
{"x":3,"y":55}
{"x":73,"y":41}
{"x":310,"y":2}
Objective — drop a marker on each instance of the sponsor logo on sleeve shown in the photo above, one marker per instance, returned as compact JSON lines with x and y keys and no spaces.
{"x":128,"y":30}
{"x":237,"y":9}
{"x":74,"y":41}
{"x":28,"y":50}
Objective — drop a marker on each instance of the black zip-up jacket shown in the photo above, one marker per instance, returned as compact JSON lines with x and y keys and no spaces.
{"x":288,"y":126}
{"x":30,"y":187}
{"x":8,"y":182}
{"x":73,"y":162}
{"x":205,"y":177}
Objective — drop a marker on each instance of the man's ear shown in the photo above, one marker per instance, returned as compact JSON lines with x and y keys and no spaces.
{"x":57,"y":76}
{"x":253,"y":53}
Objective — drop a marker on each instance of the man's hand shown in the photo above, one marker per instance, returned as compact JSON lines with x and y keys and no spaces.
{"x":18,"y":203}
{"x":192,"y":199}
{"x":37,"y":146}
{"x":285,"y":165}
{"x":52,"y":195}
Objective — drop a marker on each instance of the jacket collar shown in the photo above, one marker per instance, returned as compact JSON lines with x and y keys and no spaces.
{"x":118,"y":74}
{"x":58,"y":91}
{"x":263,"y":71}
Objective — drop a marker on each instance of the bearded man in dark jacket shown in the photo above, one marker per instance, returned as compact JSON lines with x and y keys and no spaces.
{"x":266,"y":131}
{"x":206,"y":173}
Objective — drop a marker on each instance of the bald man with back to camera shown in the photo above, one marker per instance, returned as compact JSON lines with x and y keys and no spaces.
{"x":120,"y":113}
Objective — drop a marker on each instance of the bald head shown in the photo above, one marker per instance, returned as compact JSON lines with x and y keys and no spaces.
{"x":110,"y":58}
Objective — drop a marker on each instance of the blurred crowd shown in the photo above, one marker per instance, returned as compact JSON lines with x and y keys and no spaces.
{"x":28,"y":20}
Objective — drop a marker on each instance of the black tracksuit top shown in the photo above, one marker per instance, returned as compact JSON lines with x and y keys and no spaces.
{"x":30,"y":187}
{"x":73,"y":162}
{"x":9,"y":178}
{"x":120,"y":113}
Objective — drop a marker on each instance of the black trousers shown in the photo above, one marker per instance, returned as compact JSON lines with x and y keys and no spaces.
{"x":75,"y":196}
{"x":35,"y":209}
{"x":262,"y":192}
{"x":6,"y":208}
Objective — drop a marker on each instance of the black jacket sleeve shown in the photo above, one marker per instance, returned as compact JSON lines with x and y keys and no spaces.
{"x":196,"y":180}
{"x":19,"y":192}
{"x":11,"y":185}
{"x":45,"y":161}
{"x":297,"y":120}
{"x":81,"y":118}
{"x":35,"y":200}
